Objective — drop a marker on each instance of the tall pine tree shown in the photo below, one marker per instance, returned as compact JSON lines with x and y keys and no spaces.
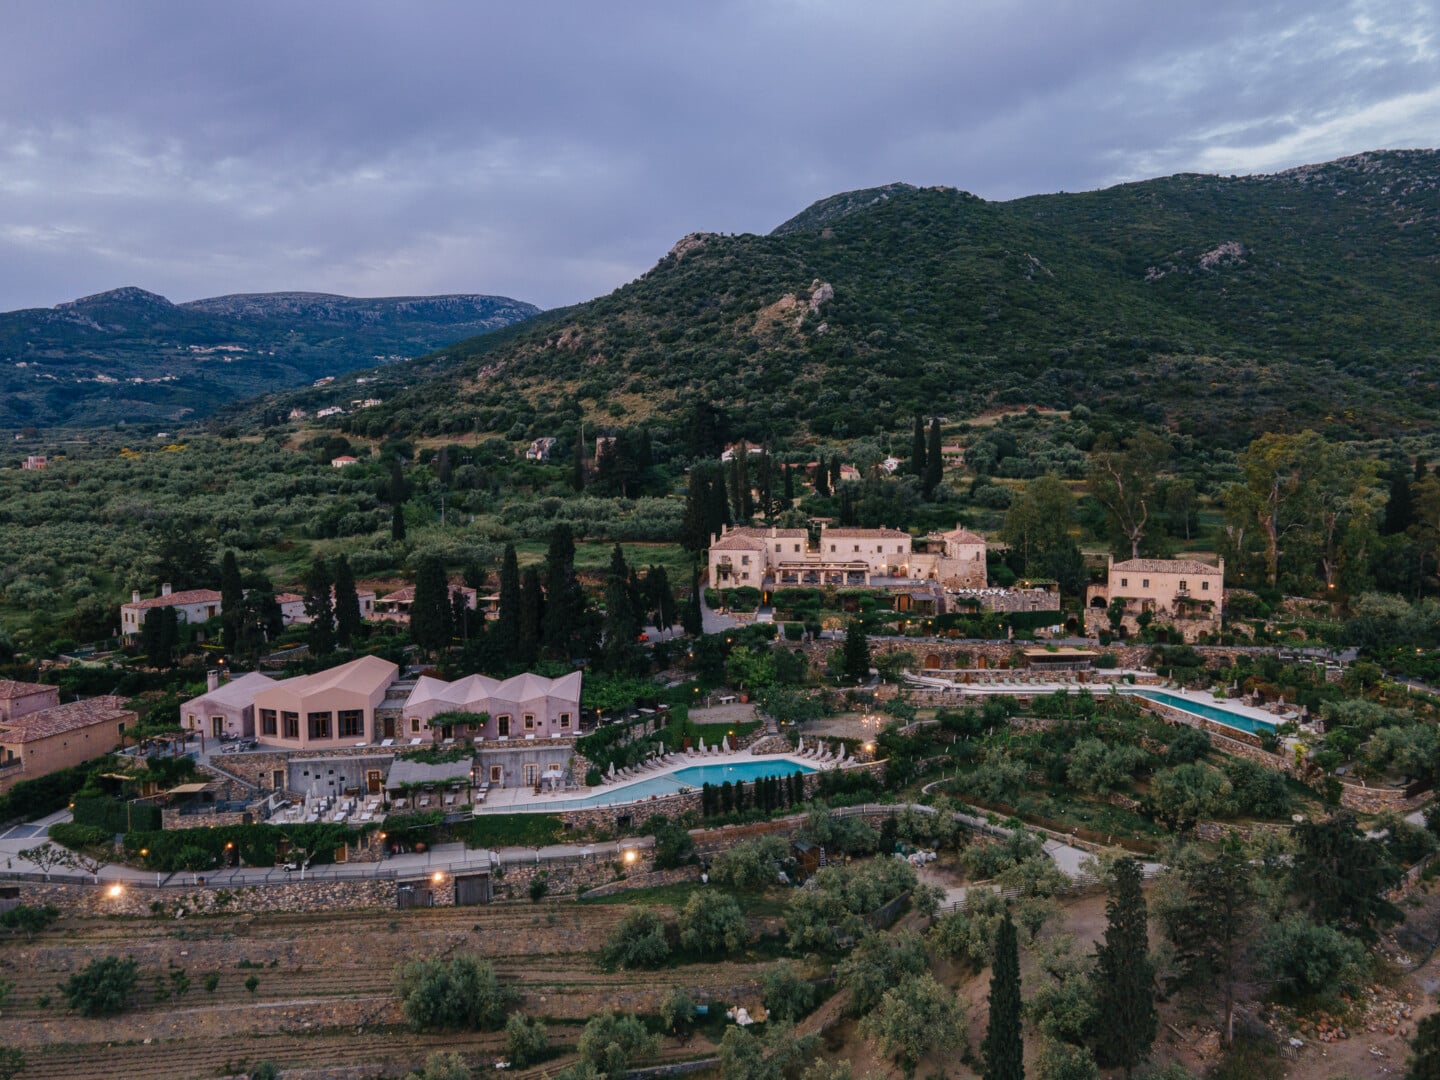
{"x":1003,"y":1049}
{"x":622,"y":623}
{"x":348,"y":624}
{"x":1123,"y":979}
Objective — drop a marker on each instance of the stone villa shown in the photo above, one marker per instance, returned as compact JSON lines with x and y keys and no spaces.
{"x":1184,"y":593}
{"x":766,"y":558}
{"x":191,"y":606}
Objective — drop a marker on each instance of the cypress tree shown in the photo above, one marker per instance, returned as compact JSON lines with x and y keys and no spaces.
{"x":430,"y":610}
{"x":694,"y":527}
{"x":1003,"y":1049}
{"x":934,"y":460}
{"x":1123,"y":979}
{"x":320,"y":609}
{"x":442,"y":466}
{"x":691,"y":619}
{"x":397,"y":502}
{"x":1400,"y":508}
{"x":857,"y":653}
{"x":834,"y":470}
{"x":507,"y":626}
{"x":917,"y":448}
{"x":577,"y":472}
{"x":822,"y":478}
{"x":789,"y":490}
{"x":621,"y":622}
{"x":530,"y":617}
{"x":232,"y":601}
{"x":563,"y":626}
{"x":348,"y":624}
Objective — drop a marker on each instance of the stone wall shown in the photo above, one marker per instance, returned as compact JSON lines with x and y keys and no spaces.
{"x":172,"y":818}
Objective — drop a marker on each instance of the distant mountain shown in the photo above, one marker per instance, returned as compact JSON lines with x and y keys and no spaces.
{"x":1221,"y":306}
{"x":128,"y":354}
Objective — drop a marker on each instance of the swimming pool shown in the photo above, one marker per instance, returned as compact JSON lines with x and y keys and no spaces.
{"x":1209,"y":712}
{"x":692,"y":776}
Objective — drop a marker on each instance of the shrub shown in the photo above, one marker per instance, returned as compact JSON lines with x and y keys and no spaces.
{"x":29,"y":918}
{"x":712,"y":922}
{"x":637,"y":941}
{"x":750,"y":864}
{"x":915,"y":1017}
{"x":677,"y":1011}
{"x":78,"y":837}
{"x":609,"y":1044}
{"x":526,"y":1040}
{"x":878,"y":962}
{"x":787,"y":995}
{"x":462,"y":993}
{"x":102,"y":987}
{"x":1301,"y":959}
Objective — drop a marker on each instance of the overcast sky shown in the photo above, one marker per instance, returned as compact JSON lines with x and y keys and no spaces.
{"x":553,"y":151}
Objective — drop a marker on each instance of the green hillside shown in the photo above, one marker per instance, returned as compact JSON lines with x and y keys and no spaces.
{"x":1220,"y":306}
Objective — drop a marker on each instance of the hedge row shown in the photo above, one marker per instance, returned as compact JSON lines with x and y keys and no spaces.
{"x":257,"y":845}
{"x":116,"y":815}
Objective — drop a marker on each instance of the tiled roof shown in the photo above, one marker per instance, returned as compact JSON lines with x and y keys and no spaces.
{"x":1165,"y":566}
{"x":185,"y":596}
{"x":731,"y":542}
{"x":10,"y":690}
{"x":238,"y":692}
{"x":289,"y":598}
{"x":866,"y":534}
{"x":62,"y":718}
{"x":363,"y":675}
{"x":963,"y":536}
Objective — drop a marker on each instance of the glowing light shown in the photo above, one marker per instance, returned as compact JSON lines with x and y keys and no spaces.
{"x":114,"y":891}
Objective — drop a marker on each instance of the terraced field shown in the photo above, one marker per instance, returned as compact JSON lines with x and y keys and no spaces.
{"x":324,"y":994}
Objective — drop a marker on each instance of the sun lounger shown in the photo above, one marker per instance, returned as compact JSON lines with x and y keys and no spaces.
{"x":387,"y":742}
{"x":415,"y":742}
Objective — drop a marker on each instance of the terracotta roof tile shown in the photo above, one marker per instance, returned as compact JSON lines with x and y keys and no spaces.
{"x":185,"y":596}
{"x":1165,"y":566}
{"x":10,"y":690}
{"x":62,"y":718}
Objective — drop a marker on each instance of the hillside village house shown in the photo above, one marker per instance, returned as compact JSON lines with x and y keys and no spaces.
{"x":343,"y":461}
{"x":328,"y":710}
{"x":395,"y":606}
{"x":539,"y":449}
{"x":19,"y":698}
{"x":768,"y":558}
{"x":42,"y":741}
{"x":225,"y":709}
{"x":292,"y":605}
{"x":191,"y":606}
{"x":1184,"y":593}
{"x":34,"y":462}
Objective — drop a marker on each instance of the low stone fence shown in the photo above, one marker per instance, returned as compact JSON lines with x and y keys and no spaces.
{"x":134,"y":899}
{"x":171,"y":817}
{"x":645,"y":880}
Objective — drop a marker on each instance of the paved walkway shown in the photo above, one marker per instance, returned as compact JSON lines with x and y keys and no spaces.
{"x":712,"y":622}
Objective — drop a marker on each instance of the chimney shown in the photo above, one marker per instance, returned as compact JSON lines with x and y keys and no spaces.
{"x":165,"y":589}
{"x":135,"y":596}
{"x":212,"y":680}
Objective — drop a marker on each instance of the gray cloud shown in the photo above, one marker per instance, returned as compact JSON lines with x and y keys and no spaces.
{"x":551,"y":151}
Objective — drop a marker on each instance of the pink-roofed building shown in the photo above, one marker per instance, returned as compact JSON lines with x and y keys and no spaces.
{"x":342,"y":461}
{"x":327,"y":710}
{"x":191,"y":606}
{"x":19,"y":698}
{"x":226,"y":708}
{"x":524,"y":707}
{"x":46,"y":740}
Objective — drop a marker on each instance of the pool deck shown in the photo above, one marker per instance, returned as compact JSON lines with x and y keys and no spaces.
{"x":523,"y":799}
{"x":1031,"y":685}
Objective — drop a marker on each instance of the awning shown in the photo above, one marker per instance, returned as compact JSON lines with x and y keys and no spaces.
{"x":187,"y":789}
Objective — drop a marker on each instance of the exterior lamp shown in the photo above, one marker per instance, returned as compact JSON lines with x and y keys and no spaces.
{"x":114,"y":891}
{"x":437,"y":877}
{"x":630,"y":855}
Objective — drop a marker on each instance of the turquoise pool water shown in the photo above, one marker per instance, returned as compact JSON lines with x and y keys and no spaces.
{"x":1209,"y":712}
{"x":692,"y":776}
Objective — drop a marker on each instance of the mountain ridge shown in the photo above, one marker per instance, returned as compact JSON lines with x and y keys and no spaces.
{"x":1198,"y":301}
{"x":129,"y":354}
